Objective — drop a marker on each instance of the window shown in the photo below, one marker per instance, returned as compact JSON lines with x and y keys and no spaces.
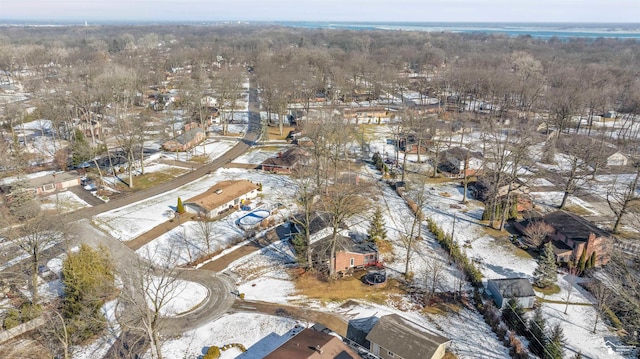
{"x":351,"y":262}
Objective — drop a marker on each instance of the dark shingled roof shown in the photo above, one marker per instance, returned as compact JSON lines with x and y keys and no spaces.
{"x":573,"y":226}
{"x":405,"y":338}
{"x":313,"y":344}
{"x":288,"y":158}
{"x":513,"y":287}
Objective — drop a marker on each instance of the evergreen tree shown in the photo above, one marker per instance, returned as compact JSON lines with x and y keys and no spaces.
{"x":592,"y":260}
{"x":513,"y":316}
{"x":545,"y":274}
{"x":537,"y":337}
{"x":180,"y":207}
{"x":377,"y":229}
{"x":88,"y":278}
{"x":582,"y":262}
{"x":80,"y":149}
{"x":556,"y":341}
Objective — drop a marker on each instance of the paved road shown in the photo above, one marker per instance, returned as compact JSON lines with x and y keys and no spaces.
{"x":220,"y":286}
{"x":247,"y":141}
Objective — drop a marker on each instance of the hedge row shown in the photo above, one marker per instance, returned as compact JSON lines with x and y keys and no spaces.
{"x":471,"y":271}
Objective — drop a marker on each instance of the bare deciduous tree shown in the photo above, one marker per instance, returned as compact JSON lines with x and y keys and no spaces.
{"x":536,"y":232}
{"x":621,"y":198}
{"x":434,"y":277}
{"x":148,"y":290}
{"x":341,"y":202}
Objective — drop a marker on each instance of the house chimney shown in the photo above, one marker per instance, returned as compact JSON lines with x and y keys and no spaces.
{"x":318,"y":349}
{"x":279,"y":154}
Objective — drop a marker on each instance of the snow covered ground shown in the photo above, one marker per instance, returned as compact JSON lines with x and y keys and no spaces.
{"x":185,"y":243}
{"x":263,"y":274}
{"x":64,"y":202}
{"x":258,"y":155}
{"x":259,"y":333}
{"x":128,"y":222}
{"x":187,"y":296}
{"x":213,"y":148}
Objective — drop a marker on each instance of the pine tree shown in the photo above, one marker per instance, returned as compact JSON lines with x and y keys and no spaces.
{"x":582,"y":262}
{"x":180,"y":207}
{"x":592,"y":260}
{"x":80,"y":149}
{"x":545,"y":274}
{"x":377,"y":232}
{"x":556,"y":341}
{"x":537,"y":338}
{"x":513,"y":316}
{"x":88,"y":279}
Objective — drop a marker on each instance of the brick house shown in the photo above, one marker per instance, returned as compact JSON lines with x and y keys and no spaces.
{"x":54,"y":182}
{"x":572,"y":235}
{"x":287,"y":161}
{"x":350,"y":254}
{"x":225,"y":196}
{"x":191,"y":136}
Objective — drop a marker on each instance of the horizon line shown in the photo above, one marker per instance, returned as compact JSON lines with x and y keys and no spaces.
{"x":134,"y":21}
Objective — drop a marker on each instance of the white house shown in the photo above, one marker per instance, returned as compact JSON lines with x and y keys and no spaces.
{"x":224,"y":196}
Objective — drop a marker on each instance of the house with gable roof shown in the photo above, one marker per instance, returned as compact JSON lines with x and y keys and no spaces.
{"x":395,"y":337}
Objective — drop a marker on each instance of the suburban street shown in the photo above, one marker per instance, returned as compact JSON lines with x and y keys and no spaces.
{"x":221,"y":287}
{"x":247,"y":141}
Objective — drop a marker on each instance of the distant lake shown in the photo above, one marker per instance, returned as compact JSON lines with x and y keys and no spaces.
{"x":562,"y":31}
{"x":537,"y":30}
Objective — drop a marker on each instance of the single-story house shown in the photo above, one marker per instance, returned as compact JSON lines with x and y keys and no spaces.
{"x":221,"y":198}
{"x":287,"y":161}
{"x":482,"y":188}
{"x":452,"y":161}
{"x":313,"y":344}
{"x":350,"y":253}
{"x":54,"y":182}
{"x":614,"y":157}
{"x":579,"y":234}
{"x":505,"y":289}
{"x":571,"y":235}
{"x":192,"y":135}
{"x":395,"y":337}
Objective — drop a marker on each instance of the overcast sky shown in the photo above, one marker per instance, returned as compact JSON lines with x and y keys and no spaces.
{"x":326,"y":10}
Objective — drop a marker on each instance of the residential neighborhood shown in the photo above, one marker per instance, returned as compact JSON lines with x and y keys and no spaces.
{"x":260,"y":191}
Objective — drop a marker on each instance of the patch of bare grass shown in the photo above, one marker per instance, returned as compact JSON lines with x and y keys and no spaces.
{"x":577,"y":210}
{"x":274,"y":132}
{"x":149,"y":180}
{"x":314,"y":286}
{"x":552,"y":289}
{"x":199,"y":159}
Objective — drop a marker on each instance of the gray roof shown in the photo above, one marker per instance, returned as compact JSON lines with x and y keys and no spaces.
{"x":513,"y":287}
{"x":405,"y":338}
{"x":188,"y":136}
{"x":572,"y":225}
